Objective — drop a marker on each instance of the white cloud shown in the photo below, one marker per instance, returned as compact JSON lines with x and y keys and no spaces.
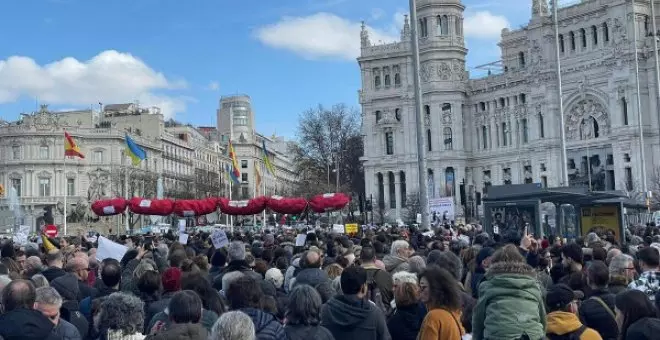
{"x":109,"y":77}
{"x":321,"y":35}
{"x":484,"y":25}
{"x":213,"y":86}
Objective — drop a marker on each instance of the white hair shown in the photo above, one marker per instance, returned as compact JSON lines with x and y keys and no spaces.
{"x":397,"y":245}
{"x":230,"y":277}
{"x":233,"y":326}
{"x":404,"y":277}
{"x":48,"y":296}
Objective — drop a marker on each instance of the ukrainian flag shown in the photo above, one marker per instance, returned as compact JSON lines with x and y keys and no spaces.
{"x":232,"y":175}
{"x":134,"y":151}
{"x":269,"y":165}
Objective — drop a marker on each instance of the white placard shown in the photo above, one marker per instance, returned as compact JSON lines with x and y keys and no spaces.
{"x":109,"y":249}
{"x":109,"y":210}
{"x":442,"y":208}
{"x":219,"y":238}
{"x":183,"y":238}
{"x":182,"y":225}
{"x":145,"y":203}
{"x":300,"y":240}
{"x":338,"y":228}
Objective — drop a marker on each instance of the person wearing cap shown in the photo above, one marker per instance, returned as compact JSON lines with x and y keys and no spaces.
{"x":562,"y":320}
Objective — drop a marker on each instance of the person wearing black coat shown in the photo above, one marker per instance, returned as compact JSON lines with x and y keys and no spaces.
{"x":406,"y":321}
{"x":597,"y":311}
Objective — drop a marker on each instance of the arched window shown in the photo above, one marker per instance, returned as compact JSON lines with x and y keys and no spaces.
{"x":523,"y":98}
{"x":482,"y":106}
{"x":541,"y":126}
{"x":379,"y":115}
{"x":505,"y":131}
{"x":561,"y":43}
{"x":388,"y":81}
{"x":521,"y":59}
{"x":430,"y":185}
{"x":594,"y":35}
{"x":457,"y":28}
{"x":402,"y":188}
{"x":571,"y":37}
{"x":381,"y":191}
{"x":429,"y":144}
{"x":502,"y":102}
{"x":438,"y":25}
{"x":423,"y":28}
{"x":427,"y":112}
{"x":389,"y":143}
{"x":397,"y":77}
{"x":447,"y":138}
{"x":583,"y":36}
{"x":606,"y":32}
{"x":445,"y":25}
{"x":624,"y":110}
{"x":450,"y":182}
{"x":397,"y":114}
{"x":43,"y":152}
{"x":376,"y":73}
{"x":484,"y":136}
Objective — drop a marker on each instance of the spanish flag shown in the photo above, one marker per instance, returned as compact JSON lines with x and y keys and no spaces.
{"x":71,"y":149}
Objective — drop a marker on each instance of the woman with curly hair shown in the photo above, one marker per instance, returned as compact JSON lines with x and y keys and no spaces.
{"x":121,"y":317}
{"x":442,"y":296}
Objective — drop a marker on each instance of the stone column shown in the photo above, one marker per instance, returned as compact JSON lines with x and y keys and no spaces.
{"x":386,"y":190}
{"x":397,"y":193}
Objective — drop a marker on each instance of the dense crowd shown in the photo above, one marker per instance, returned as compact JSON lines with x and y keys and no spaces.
{"x":388,"y":283}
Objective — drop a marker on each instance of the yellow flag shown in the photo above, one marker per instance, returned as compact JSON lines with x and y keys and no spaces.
{"x":257,"y":177}
{"x":47,"y":244}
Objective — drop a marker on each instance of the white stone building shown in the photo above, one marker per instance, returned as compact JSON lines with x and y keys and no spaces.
{"x":503,"y":128}
{"x":32,"y":160}
{"x":236,"y":121}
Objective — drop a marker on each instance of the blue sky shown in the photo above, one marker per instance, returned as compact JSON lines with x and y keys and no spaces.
{"x":288,"y":55}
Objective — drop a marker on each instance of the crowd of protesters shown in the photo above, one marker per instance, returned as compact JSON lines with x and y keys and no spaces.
{"x":389,"y":283}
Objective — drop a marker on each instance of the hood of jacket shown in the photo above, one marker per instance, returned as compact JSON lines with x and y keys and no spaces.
{"x":391,"y":262}
{"x":261,"y":319}
{"x":516,"y":268}
{"x":186,"y":331}
{"x":311,"y":276}
{"x":560,"y":323}
{"x":348,"y":311}
{"x":67,"y":286}
{"x":25,"y":324}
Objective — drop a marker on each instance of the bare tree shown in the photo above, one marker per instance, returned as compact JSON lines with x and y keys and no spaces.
{"x":329,"y":139}
{"x":413,"y":207}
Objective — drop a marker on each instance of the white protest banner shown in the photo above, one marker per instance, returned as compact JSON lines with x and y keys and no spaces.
{"x":300,"y":240}
{"x":338,"y":228}
{"x":219,"y":238}
{"x":108,"y":249}
{"x":182,"y":225}
{"x":183,"y":238}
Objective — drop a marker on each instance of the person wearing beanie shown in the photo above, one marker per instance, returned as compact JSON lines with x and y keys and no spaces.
{"x":218,"y":262}
{"x":562,"y":318}
{"x":481,"y":262}
{"x":171,"y":280}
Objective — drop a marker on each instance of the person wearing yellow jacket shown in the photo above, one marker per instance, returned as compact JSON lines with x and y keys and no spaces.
{"x":562,"y":320}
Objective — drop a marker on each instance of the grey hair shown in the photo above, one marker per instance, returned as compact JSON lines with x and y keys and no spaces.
{"x":230,"y":277}
{"x":304,"y":307}
{"x":144,"y":266}
{"x":397,"y":245}
{"x":417,"y":264}
{"x":163,"y":250}
{"x":233,"y":326}
{"x":236,"y":251}
{"x":122,"y":312}
{"x":449,"y":262}
{"x":48,"y":296}
{"x":404,"y":277}
{"x":40,"y":281}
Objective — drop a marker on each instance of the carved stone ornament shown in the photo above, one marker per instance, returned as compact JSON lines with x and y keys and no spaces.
{"x":580,"y":120}
{"x":426,"y":72}
{"x":458,"y":70}
{"x":444,"y":71}
{"x":446,"y":118}
{"x":99,"y":181}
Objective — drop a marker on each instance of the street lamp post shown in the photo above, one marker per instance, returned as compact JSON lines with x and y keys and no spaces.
{"x":419,"y":120}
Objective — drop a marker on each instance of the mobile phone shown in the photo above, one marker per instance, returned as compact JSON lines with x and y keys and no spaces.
{"x":148,"y":243}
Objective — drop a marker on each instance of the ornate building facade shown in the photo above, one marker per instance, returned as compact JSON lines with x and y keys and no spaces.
{"x":503,"y":128}
{"x":236,"y":121}
{"x":33,"y":171}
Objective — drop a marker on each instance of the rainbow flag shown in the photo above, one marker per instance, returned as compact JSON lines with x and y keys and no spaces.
{"x":269,"y":165}
{"x":71,"y":149}
{"x":231,"y":175}
{"x":234,"y":162}
{"x":134,"y":151}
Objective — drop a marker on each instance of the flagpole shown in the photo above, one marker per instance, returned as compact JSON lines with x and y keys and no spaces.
{"x":66,"y":188}
{"x":263,"y":183}
{"x":126,"y":224}
{"x":254,"y":194}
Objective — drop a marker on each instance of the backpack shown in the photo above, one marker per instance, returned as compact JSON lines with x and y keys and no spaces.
{"x":574,"y":335}
{"x":373,"y":292}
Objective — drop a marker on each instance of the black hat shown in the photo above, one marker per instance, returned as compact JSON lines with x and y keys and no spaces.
{"x":560,"y":295}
